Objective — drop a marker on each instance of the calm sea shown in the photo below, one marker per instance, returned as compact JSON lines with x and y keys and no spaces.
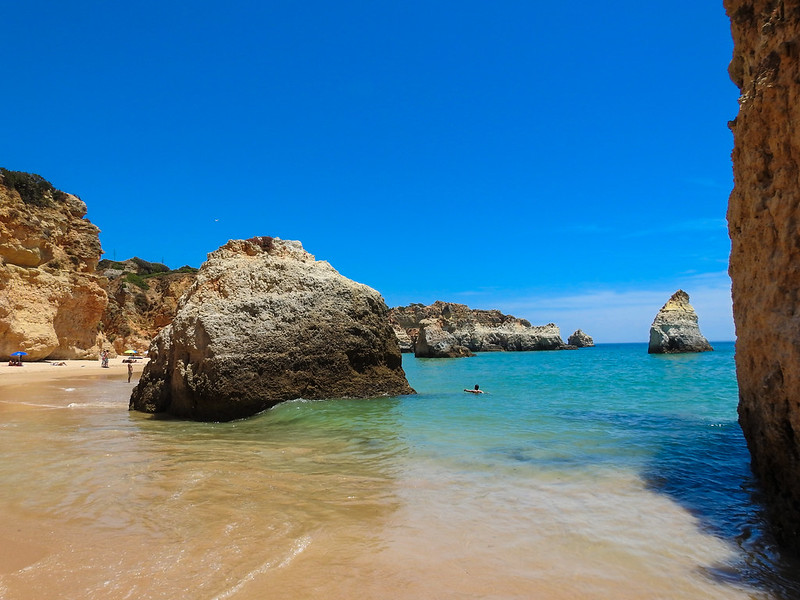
{"x":598,"y":473}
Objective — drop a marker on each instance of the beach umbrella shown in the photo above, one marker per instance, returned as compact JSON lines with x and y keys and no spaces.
{"x":129,"y":352}
{"x":19,"y":353}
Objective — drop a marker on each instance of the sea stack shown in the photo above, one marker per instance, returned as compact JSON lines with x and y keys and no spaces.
{"x":580,"y":339}
{"x":675,"y":329}
{"x":265,"y":322}
{"x":51,"y":300}
{"x":763,"y":217}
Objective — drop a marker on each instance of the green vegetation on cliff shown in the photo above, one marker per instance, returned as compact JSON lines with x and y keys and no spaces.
{"x":33,"y":189}
{"x":144,"y":270}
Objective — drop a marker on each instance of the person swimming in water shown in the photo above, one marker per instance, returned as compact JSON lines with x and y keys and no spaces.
{"x":477,"y":390}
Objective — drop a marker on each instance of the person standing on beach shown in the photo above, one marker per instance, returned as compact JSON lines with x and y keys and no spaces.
{"x":130,"y":371}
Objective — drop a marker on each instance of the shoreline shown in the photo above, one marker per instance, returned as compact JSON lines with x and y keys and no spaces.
{"x":46,"y":370}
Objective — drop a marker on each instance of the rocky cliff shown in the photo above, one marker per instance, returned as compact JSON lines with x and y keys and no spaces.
{"x":142,"y":299}
{"x":51,"y":300}
{"x":675,"y":328}
{"x":265,"y":322}
{"x":763,"y":217}
{"x":446,"y":329}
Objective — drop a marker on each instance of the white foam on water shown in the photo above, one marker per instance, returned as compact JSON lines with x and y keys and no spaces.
{"x":298,"y":547}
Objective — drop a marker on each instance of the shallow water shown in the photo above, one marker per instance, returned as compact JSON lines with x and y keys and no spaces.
{"x":598,"y":473}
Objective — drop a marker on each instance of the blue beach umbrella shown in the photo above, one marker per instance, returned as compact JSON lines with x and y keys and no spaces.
{"x":19,"y":353}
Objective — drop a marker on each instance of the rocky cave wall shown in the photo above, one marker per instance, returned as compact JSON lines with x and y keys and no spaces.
{"x":764,"y":224}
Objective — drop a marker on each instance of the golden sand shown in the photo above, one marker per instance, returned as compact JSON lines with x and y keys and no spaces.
{"x":59,"y":369}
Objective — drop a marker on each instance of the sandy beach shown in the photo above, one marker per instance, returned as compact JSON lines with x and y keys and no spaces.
{"x":59,"y":369}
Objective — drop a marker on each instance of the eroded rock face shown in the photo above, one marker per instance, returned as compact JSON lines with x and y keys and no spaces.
{"x":138,"y":308}
{"x":580,"y":339}
{"x":446,"y":329}
{"x":404,"y":337}
{"x":763,"y":217}
{"x":265,"y":322}
{"x":51,"y":300}
{"x":675,"y":329}
{"x":433,"y":341}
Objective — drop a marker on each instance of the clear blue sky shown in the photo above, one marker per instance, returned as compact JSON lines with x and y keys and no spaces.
{"x":565,"y":162}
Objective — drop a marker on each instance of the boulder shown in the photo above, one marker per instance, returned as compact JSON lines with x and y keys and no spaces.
{"x":763,"y":217}
{"x":579,"y":339}
{"x":265,"y":322}
{"x":51,"y":300}
{"x":473,"y":329}
{"x":675,"y":329}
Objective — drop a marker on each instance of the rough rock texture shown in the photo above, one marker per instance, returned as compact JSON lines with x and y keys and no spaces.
{"x":763,"y":221}
{"x":580,"y":339}
{"x":263,"y":323}
{"x":140,"y":302}
{"x":433,"y":341}
{"x":51,"y":300}
{"x":675,"y":329}
{"x":406,"y":339}
{"x":445,"y":330}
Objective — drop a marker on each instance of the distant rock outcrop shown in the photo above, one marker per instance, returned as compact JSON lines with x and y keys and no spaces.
{"x":51,"y":300}
{"x":446,"y":329}
{"x":580,"y":339}
{"x":675,"y":329}
{"x":265,"y":322}
{"x":763,"y":217}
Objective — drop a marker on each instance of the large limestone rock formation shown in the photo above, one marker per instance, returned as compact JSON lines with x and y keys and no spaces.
{"x":264,"y":322}
{"x":446,"y":329}
{"x":675,"y":329}
{"x":51,"y":300}
{"x":580,"y":339}
{"x":763,"y":218}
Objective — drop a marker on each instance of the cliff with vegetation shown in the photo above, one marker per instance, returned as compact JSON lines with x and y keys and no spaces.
{"x":142,"y":299}
{"x":51,"y":299}
{"x":763,"y":217}
{"x":57,"y":298}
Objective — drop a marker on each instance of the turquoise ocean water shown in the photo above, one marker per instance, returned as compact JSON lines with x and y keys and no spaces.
{"x":598,"y":473}
{"x":669,"y":419}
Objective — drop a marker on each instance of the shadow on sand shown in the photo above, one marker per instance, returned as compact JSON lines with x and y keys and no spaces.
{"x":708,"y":472}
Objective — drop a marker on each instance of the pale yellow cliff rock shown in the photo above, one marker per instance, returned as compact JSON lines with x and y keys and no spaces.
{"x":51,"y":299}
{"x":675,"y":329}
